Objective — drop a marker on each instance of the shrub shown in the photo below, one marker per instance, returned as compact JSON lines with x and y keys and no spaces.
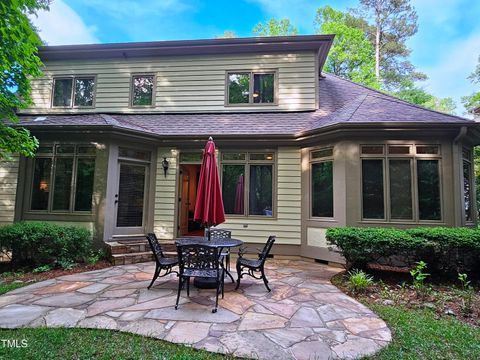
{"x":446,"y":250}
{"x":454,"y":249}
{"x":360,"y":246}
{"x":41,"y":243}
{"x":359,"y":281}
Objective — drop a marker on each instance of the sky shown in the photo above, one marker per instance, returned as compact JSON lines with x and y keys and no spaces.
{"x":446,"y":46}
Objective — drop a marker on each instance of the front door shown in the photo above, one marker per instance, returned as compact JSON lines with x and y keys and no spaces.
{"x":131,"y":199}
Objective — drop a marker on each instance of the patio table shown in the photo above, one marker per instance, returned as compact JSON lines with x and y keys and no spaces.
{"x":218,"y":243}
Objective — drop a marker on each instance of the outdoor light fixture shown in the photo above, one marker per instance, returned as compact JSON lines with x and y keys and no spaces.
{"x":165,"y":166}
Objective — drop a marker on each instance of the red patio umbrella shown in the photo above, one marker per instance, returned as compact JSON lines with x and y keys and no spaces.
{"x":209,"y":204}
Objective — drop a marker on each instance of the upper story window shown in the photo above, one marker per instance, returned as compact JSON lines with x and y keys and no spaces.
{"x":73,"y":92}
{"x":63,"y":177}
{"x":142,"y":90}
{"x":401,"y":182}
{"x":244,"y":87}
{"x":247,"y":183}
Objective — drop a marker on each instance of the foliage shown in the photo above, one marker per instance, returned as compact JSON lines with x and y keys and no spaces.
{"x":419,"y":334}
{"x":394,"y":22}
{"x":359,"y":281}
{"x":227,"y":34}
{"x":419,"y":276}
{"x":43,"y":268}
{"x":472,"y":101}
{"x":447,"y":250}
{"x":18,"y":62}
{"x":360,"y":246}
{"x":419,"y":96}
{"x":352,"y":56}
{"x":42,"y":243}
{"x":63,"y":343}
{"x":274,"y":27}
{"x":468,"y":294}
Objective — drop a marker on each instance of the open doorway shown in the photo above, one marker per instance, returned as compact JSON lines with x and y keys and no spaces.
{"x":189,"y":175}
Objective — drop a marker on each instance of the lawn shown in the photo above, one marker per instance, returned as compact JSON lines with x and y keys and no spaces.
{"x":418,"y":334}
{"x":6,"y":287}
{"x":89,"y":344}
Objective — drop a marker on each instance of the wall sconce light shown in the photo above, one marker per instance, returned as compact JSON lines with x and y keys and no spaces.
{"x":165,"y":166}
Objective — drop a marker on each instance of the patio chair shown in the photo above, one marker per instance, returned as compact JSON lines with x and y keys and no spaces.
{"x":254,"y":265}
{"x":225,"y":254}
{"x":199,"y":261}
{"x":161,"y":261}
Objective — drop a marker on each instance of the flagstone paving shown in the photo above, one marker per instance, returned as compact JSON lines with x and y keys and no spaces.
{"x":303,"y":317}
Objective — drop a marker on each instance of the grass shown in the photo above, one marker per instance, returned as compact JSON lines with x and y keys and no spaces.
{"x":80,"y":344}
{"x":417,"y":334}
{"x":6,"y":287}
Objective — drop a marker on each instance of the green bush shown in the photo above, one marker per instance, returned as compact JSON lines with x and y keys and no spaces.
{"x":41,"y":243}
{"x":360,"y":246}
{"x":446,"y":250}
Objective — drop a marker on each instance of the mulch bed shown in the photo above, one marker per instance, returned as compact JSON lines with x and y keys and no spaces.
{"x":396,"y":289}
{"x":34,"y":277}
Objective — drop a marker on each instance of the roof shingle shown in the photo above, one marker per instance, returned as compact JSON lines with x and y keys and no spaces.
{"x":341,"y":101}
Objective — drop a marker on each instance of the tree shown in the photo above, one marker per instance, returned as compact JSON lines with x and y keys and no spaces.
{"x":275,"y":27}
{"x":227,"y":34}
{"x":394,"y":22}
{"x":420,"y":97}
{"x":18,"y":62}
{"x":471,"y":102}
{"x":351,"y":55}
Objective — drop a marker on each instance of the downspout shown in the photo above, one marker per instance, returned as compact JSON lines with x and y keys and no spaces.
{"x":457,"y":167}
{"x":461,"y":134}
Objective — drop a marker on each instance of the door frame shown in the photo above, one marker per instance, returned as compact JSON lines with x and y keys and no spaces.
{"x":109,"y":216}
{"x":137,"y":230}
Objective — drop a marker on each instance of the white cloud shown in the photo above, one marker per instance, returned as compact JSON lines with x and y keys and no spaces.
{"x":448,"y":76}
{"x":63,"y":26}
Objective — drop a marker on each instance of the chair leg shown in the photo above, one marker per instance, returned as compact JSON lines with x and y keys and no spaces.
{"x":265,"y":281}
{"x":180,"y":285}
{"x":239,"y":272}
{"x":155,"y":276}
{"x":216,"y":295}
{"x":223,"y":287}
{"x":188,"y":286}
{"x":227,"y":259}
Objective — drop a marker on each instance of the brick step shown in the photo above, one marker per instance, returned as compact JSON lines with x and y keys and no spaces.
{"x":134,"y":258}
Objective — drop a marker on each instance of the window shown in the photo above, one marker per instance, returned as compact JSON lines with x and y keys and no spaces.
{"x":247,"y":183}
{"x":321,"y":167}
{"x":401,"y":186}
{"x":73,"y":91}
{"x":142,"y":90}
{"x":63,"y":178}
{"x":251,"y":87}
{"x":467,"y":184}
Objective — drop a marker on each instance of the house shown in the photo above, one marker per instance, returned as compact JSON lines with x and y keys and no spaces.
{"x":122,"y":127}
{"x":476,"y":113}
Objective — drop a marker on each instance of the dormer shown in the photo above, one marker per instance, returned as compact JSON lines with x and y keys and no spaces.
{"x":264,"y":74}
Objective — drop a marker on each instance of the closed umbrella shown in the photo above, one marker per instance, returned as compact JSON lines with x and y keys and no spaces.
{"x":209,"y":204}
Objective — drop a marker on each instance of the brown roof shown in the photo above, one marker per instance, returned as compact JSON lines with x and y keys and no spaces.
{"x":341,"y":102}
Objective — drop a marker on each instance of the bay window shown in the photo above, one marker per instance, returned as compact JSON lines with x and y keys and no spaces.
{"x":401,"y":183}
{"x":63,"y":178}
{"x":247,"y":183}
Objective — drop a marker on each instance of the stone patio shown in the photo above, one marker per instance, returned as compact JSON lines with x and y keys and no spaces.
{"x":304,"y":317}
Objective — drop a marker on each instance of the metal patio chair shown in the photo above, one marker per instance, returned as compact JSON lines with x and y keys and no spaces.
{"x":254,"y":265}
{"x":161,"y":261}
{"x":199,"y":261}
{"x":225,"y":254}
